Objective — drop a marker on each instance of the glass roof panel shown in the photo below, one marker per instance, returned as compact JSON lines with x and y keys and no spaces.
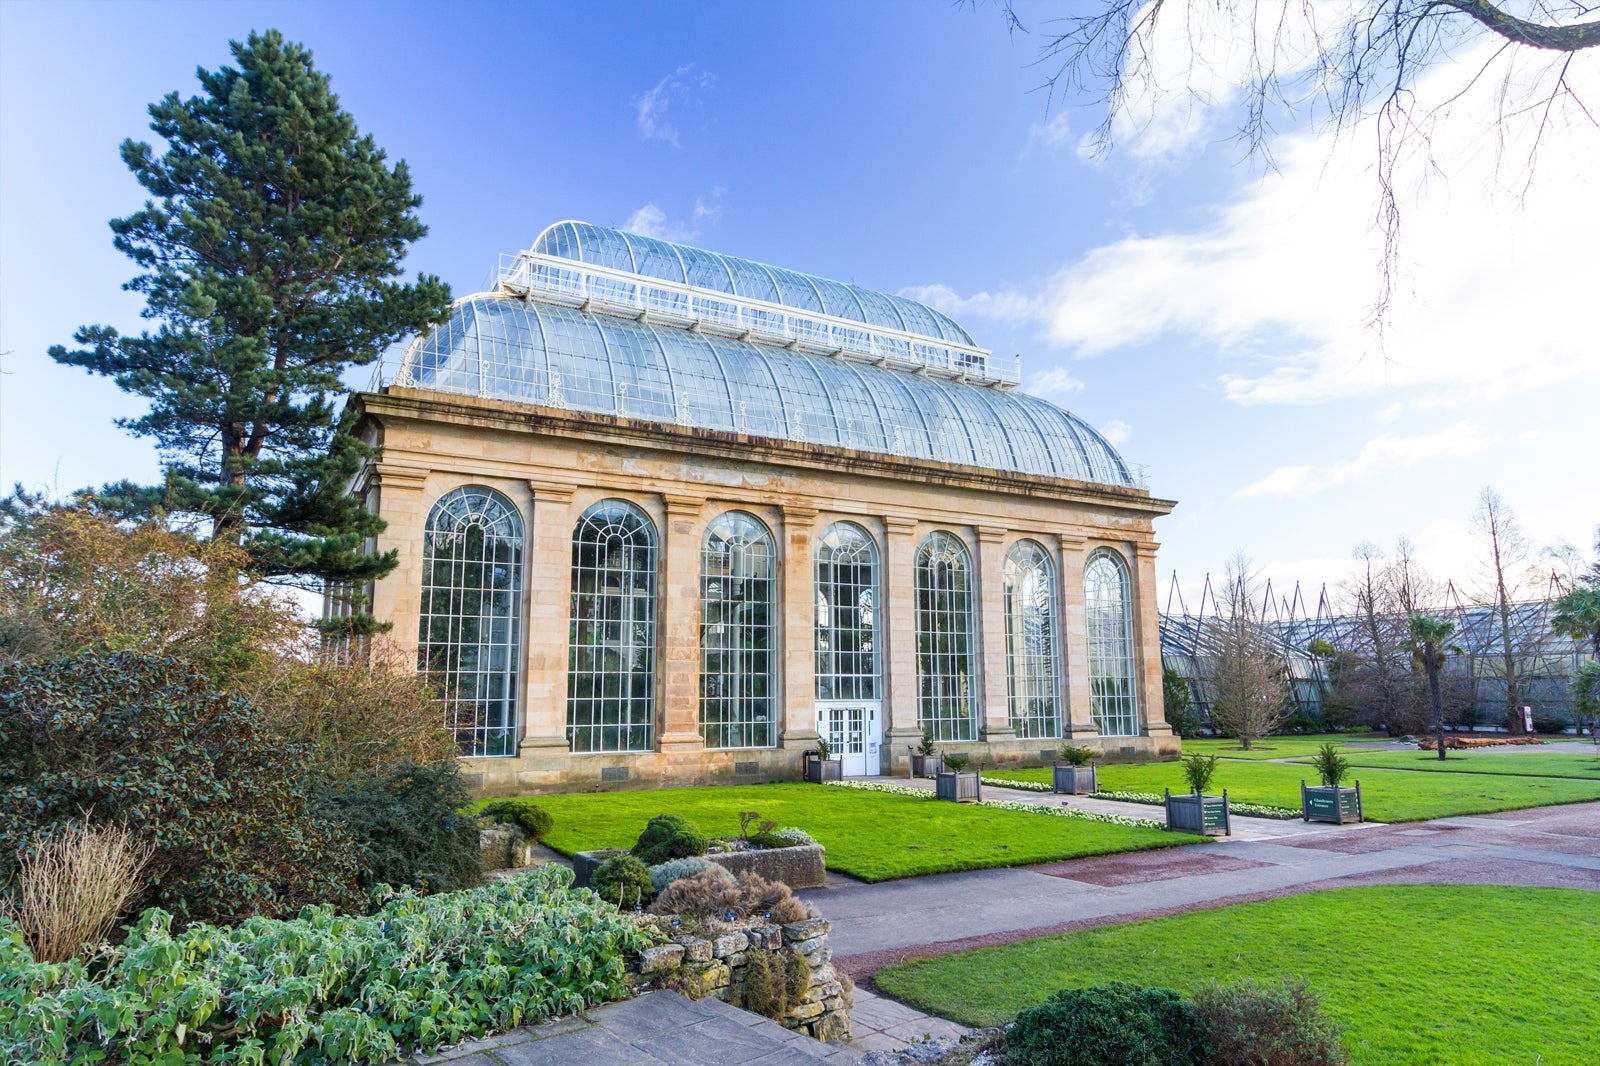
{"x":656,"y":259}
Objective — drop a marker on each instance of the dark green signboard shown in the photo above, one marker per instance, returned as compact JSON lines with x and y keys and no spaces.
{"x":1319,"y":804}
{"x":1216,"y":815}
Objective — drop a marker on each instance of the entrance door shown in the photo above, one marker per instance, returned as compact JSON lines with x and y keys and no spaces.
{"x":854,"y":734}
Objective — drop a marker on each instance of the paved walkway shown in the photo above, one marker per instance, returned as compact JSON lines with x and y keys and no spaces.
{"x":877,"y":925}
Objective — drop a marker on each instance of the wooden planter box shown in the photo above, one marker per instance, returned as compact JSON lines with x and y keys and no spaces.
{"x":1194,"y":813}
{"x":804,"y":866}
{"x":958,"y":786}
{"x":820,"y":770}
{"x":927,"y":765}
{"x":1076,"y":780}
{"x":1330,"y":803}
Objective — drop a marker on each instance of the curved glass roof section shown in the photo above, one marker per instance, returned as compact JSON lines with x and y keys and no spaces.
{"x":652,"y":257}
{"x":524,"y":350}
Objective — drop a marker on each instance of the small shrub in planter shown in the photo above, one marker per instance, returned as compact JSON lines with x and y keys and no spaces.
{"x":524,"y":813}
{"x":1283,"y":1024}
{"x":1112,"y":1023}
{"x":667,"y":837}
{"x":957,"y":763}
{"x":822,"y":766}
{"x":1198,"y":770}
{"x":1329,"y":802}
{"x":926,"y":761}
{"x":666,"y":873}
{"x":1078,"y":776}
{"x":1331,"y":766}
{"x":623,"y":880}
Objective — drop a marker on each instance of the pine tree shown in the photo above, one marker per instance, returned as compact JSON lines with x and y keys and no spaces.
{"x":271,"y":256}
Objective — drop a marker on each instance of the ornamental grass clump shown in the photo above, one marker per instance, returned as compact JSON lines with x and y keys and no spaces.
{"x":323,"y":987}
{"x":73,"y":886}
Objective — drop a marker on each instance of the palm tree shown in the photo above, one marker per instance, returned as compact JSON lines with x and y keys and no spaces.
{"x":1429,"y":650}
{"x":1578,"y":616}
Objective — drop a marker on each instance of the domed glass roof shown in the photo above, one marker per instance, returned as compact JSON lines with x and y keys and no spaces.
{"x":502,"y":346}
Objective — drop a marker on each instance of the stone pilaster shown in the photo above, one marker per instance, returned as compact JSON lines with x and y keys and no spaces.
{"x":398,"y":597}
{"x":899,"y":660}
{"x":994,"y":704}
{"x":679,"y":604}
{"x":797,"y":567}
{"x":1147,"y":640}
{"x":549,"y":578}
{"x":1077,"y":722}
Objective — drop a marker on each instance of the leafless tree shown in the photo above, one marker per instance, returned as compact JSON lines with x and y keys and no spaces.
{"x":1387,"y":590}
{"x":1341,"y":63}
{"x":1252,"y":691}
{"x":1503,"y":561}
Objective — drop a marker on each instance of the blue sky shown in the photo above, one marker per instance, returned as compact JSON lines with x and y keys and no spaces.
{"x":1202,"y":309}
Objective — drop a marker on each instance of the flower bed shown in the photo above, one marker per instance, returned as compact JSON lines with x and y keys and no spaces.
{"x":421,"y":972}
{"x":1247,"y":810}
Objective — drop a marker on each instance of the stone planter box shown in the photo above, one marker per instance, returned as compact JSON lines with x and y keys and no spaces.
{"x":1330,"y":803}
{"x":927,"y":765}
{"x":960,"y":786}
{"x":1194,"y":813}
{"x":504,"y":847}
{"x":821,"y":770}
{"x":798,"y":867}
{"x":1076,"y":780}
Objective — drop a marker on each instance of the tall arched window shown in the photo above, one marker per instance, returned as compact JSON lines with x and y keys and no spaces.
{"x":946,"y":668}
{"x":847,"y":615}
{"x":611,"y":663}
{"x":738,"y":578}
{"x":1108,"y":612}
{"x":469,"y":633}
{"x":1032,"y":680}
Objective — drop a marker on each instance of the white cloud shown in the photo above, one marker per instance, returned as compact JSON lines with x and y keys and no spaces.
{"x":1051,"y":135}
{"x":1057,"y":380}
{"x":653,"y":106}
{"x":1117,"y":432}
{"x":1381,"y":455}
{"x":651,"y":221}
{"x":1495,"y":298}
{"x":1005,"y":306}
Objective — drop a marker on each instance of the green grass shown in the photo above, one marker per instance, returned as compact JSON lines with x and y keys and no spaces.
{"x":1388,"y":795}
{"x":1461,"y":975}
{"x":869,"y":835}
{"x":1286,"y":747}
{"x":1530,"y":763}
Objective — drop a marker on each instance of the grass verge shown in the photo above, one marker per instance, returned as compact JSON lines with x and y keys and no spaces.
{"x":1460,"y":975}
{"x":1487,"y":761}
{"x":869,"y":835}
{"x":1389,"y":795}
{"x":1276,"y":747}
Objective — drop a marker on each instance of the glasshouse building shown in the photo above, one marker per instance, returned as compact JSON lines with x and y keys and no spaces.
{"x":669,"y":516}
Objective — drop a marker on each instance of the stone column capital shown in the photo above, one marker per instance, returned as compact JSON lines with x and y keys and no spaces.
{"x":401,"y":476}
{"x":551,"y":491}
{"x":992,"y":534}
{"x":1071,"y":541}
{"x":797,"y":513}
{"x":681,"y":505}
{"x":899,"y":523}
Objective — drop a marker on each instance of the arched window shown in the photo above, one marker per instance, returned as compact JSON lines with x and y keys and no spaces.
{"x":611,"y":663}
{"x":1108,"y":613}
{"x":1032,"y":680}
{"x":469,"y":633}
{"x":847,"y":616}
{"x":946,"y":672}
{"x":738,"y":578}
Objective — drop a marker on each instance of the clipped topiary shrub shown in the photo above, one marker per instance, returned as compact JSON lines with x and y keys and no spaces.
{"x":1281,"y":1025}
{"x":150,"y":743}
{"x":407,"y":826}
{"x":666,"y":873}
{"x":324,"y":987}
{"x":533,"y":819}
{"x":623,"y":880}
{"x":769,"y":840}
{"x":667,"y":837}
{"x":1111,"y":1023}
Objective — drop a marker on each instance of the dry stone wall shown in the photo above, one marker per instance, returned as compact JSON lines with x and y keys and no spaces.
{"x":815,"y":998}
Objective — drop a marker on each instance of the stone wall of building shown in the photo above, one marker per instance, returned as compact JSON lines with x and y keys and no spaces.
{"x":720,"y":965}
{"x":554,"y":464}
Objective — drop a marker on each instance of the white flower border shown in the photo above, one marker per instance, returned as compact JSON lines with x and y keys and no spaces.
{"x":1247,"y":810}
{"x":1008,"y":805}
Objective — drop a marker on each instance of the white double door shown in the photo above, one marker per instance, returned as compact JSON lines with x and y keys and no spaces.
{"x":854,"y":731}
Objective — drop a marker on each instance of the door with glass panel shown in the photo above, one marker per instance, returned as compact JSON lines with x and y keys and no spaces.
{"x":849,"y":711}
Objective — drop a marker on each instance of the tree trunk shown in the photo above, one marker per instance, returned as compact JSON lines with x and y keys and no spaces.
{"x":1438,"y":704}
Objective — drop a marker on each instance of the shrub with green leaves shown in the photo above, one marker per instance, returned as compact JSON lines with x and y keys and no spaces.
{"x":623,"y":880}
{"x":665,"y":873}
{"x":533,"y":819}
{"x":957,"y":763}
{"x":1116,"y":1022}
{"x":1076,"y":754}
{"x":150,"y":742}
{"x":1331,"y":766}
{"x":667,"y":837}
{"x":1281,"y":1024}
{"x":407,"y":826}
{"x":325,"y":987}
{"x":1198,"y":770}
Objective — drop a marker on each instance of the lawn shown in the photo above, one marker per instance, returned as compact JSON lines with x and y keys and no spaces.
{"x":1524,"y":762}
{"x":1388,"y":795}
{"x":869,"y":835}
{"x":1275,"y":747}
{"x":1463,"y":975}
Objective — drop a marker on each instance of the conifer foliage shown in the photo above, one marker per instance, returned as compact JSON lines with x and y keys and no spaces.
{"x":270,"y":263}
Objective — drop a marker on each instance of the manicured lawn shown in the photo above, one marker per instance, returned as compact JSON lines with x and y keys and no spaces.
{"x":869,"y":835}
{"x":1388,"y":795}
{"x":1460,"y":975}
{"x":1531,"y":763}
{"x":1274,"y":747}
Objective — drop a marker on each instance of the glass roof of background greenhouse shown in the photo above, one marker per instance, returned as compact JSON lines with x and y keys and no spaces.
{"x":619,"y":333}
